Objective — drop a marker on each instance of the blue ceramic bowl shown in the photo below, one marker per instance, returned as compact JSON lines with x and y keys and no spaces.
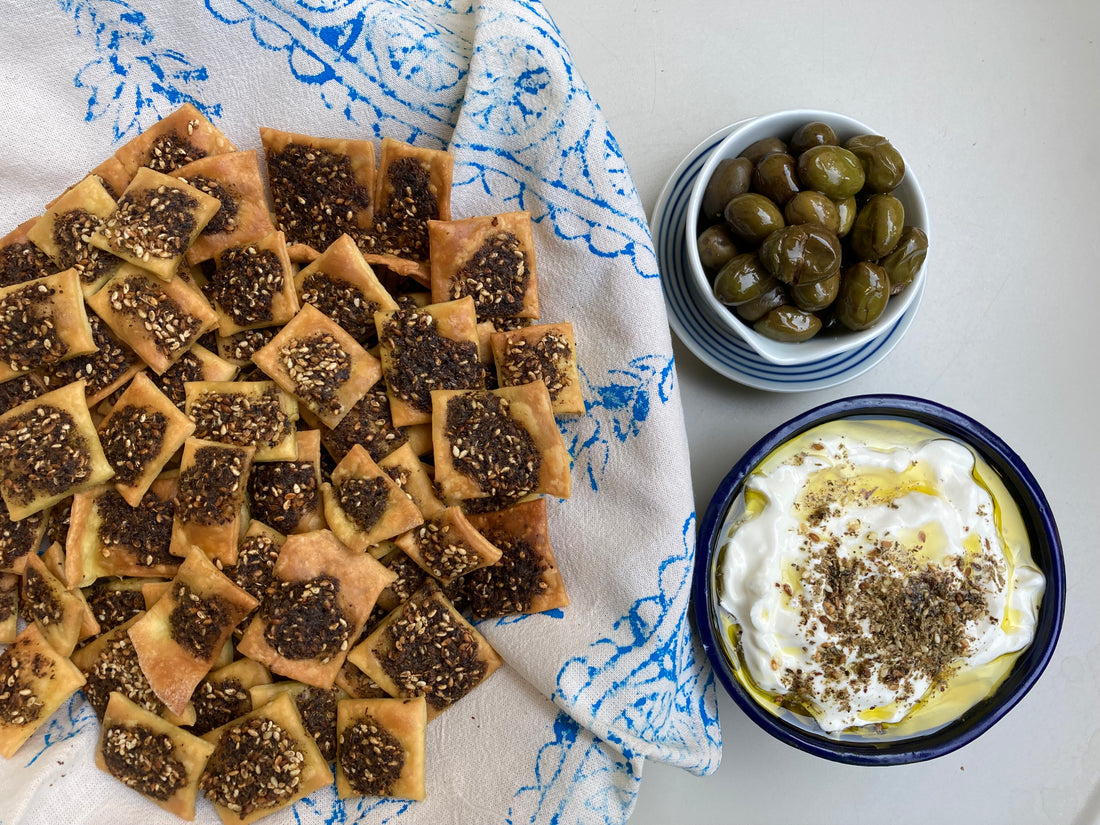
{"x":1045,"y":548}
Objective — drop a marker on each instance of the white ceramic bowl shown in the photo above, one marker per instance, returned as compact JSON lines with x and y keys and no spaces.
{"x":825,"y":344}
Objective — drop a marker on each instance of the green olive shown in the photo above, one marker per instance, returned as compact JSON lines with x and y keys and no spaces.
{"x":846,"y":209}
{"x":760,"y":306}
{"x":812,"y":134}
{"x":741,"y":280}
{"x":716,"y":247}
{"x":809,"y":206}
{"x":788,"y":323}
{"x":802,"y":253}
{"x":753,"y":217}
{"x":877,"y":227}
{"x":775,"y":178}
{"x":883,"y":165}
{"x":829,"y":323}
{"x":731,"y":177}
{"x":816,"y":296}
{"x":831,"y":170}
{"x":756,"y":152}
{"x":864,"y":291}
{"x":905,"y":262}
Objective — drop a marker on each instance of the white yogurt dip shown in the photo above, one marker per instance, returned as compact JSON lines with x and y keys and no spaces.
{"x":875,"y":575}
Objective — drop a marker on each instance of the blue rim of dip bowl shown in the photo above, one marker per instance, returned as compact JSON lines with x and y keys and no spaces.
{"x":1045,"y":548}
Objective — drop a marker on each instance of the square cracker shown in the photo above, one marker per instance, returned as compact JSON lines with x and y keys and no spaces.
{"x":374,"y":737}
{"x":173,"y":141}
{"x":413,"y":186}
{"x":180,"y":636}
{"x":526,"y":578}
{"x":502,"y":442}
{"x":110,"y":537}
{"x":427,"y":348}
{"x":490,"y":258}
{"x":225,"y":785}
{"x":363,"y":505}
{"x":252,"y":285}
{"x":342,"y":285}
{"x":64,"y":229}
{"x":166,"y":429}
{"x":210,"y":497}
{"x":31,"y":664}
{"x":306,"y":562}
{"x":226,"y":693}
{"x":315,"y":360}
{"x":286,"y":495}
{"x":234,"y":178}
{"x":159,"y":320}
{"x":448,"y":546}
{"x":257,"y":414}
{"x":58,"y":451}
{"x":314,"y":214}
{"x":57,"y":611}
{"x":170,"y":780}
{"x":46,"y":323}
{"x":155,"y":221}
{"x":418,"y":648}
{"x":541,"y":352}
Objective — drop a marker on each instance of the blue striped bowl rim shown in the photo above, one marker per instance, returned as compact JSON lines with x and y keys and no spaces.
{"x":694,"y":325}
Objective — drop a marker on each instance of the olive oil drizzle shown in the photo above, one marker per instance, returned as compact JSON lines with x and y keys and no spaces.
{"x":953,"y":689}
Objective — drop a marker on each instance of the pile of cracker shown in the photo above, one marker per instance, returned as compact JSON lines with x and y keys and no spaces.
{"x":285,"y":429}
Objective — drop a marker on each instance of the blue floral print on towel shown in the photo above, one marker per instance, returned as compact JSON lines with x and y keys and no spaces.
{"x":527,"y":136}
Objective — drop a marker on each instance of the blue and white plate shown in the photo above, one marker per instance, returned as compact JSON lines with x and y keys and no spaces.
{"x":691,"y":321}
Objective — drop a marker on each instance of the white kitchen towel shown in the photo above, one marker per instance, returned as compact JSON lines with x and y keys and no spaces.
{"x":590,"y":691}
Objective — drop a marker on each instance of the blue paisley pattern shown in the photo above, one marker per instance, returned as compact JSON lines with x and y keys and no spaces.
{"x":649,"y":678}
{"x":525,"y":134}
{"x":600,"y":781}
{"x":326,"y":807}
{"x":383,"y":65}
{"x":616,"y":411}
{"x":74,"y":718}
{"x":624,"y":679}
{"x":130,"y":82}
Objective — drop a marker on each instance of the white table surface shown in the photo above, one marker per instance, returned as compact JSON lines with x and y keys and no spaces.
{"x":996,"y":105}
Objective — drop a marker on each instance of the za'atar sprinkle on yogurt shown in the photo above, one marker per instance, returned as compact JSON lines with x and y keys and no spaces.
{"x":870,"y":573}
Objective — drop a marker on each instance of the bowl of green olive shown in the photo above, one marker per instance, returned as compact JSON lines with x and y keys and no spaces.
{"x":806,"y":235}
